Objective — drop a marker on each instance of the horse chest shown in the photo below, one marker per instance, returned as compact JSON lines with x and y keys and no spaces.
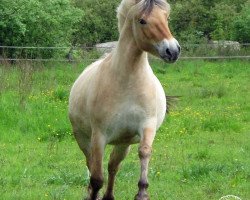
{"x":125,"y":123}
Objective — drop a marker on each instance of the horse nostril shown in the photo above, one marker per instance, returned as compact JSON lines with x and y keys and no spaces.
{"x":168,"y":52}
{"x":179,"y":48}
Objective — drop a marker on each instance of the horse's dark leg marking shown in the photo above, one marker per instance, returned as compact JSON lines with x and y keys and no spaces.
{"x":96,"y":185}
{"x":117,"y":155}
{"x":96,"y":170}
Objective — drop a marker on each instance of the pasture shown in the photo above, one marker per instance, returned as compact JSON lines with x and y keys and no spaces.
{"x":200,"y":153}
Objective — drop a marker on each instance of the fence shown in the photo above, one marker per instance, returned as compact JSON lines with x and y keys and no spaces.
{"x":215,"y":50}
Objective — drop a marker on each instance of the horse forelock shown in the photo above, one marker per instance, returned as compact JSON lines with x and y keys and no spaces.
{"x":146,"y":6}
{"x":141,"y":7}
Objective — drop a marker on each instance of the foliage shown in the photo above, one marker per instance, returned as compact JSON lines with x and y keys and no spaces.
{"x":213,"y":20}
{"x":224,"y":18}
{"x":37,"y":23}
{"x":242,"y":24}
{"x":98,"y":23}
{"x":187,"y":15}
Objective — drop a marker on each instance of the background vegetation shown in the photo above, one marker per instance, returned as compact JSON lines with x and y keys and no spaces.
{"x":37,"y":23}
{"x":85,"y":23}
{"x":201,"y":151}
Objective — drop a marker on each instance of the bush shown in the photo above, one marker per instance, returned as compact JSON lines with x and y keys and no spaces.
{"x":98,"y":23}
{"x":36,"y":23}
{"x":242,"y":25}
{"x":212,"y":20}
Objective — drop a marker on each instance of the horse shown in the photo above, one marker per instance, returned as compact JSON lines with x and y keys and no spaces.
{"x":118,"y":100}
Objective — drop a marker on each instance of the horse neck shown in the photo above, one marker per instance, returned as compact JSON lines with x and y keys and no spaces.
{"x":127,"y":57}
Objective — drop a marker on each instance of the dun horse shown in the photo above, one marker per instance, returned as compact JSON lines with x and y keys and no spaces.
{"x":118,"y":100}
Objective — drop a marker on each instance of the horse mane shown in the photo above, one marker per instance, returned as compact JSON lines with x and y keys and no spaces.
{"x":148,"y":5}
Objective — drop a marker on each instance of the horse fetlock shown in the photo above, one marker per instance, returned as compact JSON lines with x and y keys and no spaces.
{"x":145,"y":151}
{"x":143,"y":185}
{"x":96,"y":183}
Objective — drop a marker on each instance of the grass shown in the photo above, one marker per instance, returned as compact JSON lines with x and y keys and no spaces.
{"x":201,"y":151}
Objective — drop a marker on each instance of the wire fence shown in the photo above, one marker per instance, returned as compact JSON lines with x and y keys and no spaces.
{"x":211,"y":51}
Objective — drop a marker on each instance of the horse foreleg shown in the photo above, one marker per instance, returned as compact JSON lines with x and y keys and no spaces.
{"x":144,"y":151}
{"x":96,"y":170}
{"x":84,"y":144}
{"x":118,"y":154}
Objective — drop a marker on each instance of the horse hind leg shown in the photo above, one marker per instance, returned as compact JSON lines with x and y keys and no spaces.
{"x":118,"y":154}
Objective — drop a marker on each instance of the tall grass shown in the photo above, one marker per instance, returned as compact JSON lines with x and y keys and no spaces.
{"x":201,"y":151}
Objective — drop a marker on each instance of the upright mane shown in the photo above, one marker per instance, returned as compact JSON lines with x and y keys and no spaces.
{"x":140,"y":7}
{"x":148,"y":5}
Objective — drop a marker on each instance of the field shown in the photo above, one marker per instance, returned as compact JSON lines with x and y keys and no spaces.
{"x":200,"y":153}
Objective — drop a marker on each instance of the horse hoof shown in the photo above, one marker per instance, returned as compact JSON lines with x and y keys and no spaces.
{"x":142,"y":197}
{"x":108,"y":198}
{"x":104,"y":198}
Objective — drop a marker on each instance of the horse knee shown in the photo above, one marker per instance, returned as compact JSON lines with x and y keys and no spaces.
{"x":145,"y":151}
{"x":96,"y":183}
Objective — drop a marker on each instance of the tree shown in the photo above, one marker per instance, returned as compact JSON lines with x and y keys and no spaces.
{"x":213,"y":20}
{"x":223,"y":23}
{"x":242,"y":25}
{"x":98,"y":23}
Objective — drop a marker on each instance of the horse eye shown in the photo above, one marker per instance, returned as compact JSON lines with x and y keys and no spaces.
{"x":142,"y":21}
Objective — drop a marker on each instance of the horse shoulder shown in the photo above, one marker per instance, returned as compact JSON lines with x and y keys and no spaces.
{"x":79,"y":94}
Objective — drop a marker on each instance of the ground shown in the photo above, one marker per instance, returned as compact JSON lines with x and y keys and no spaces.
{"x":201,"y":151}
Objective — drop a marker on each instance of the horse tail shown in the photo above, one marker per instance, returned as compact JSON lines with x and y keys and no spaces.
{"x":171,"y":102}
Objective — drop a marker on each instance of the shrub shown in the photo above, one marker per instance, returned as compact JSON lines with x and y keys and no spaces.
{"x":36,"y":23}
{"x":242,"y":25}
{"x":98,"y":23}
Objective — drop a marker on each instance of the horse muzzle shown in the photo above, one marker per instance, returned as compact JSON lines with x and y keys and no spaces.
{"x":169,"y":50}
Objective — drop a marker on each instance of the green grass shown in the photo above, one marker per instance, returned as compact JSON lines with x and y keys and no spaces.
{"x":200,"y":153}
